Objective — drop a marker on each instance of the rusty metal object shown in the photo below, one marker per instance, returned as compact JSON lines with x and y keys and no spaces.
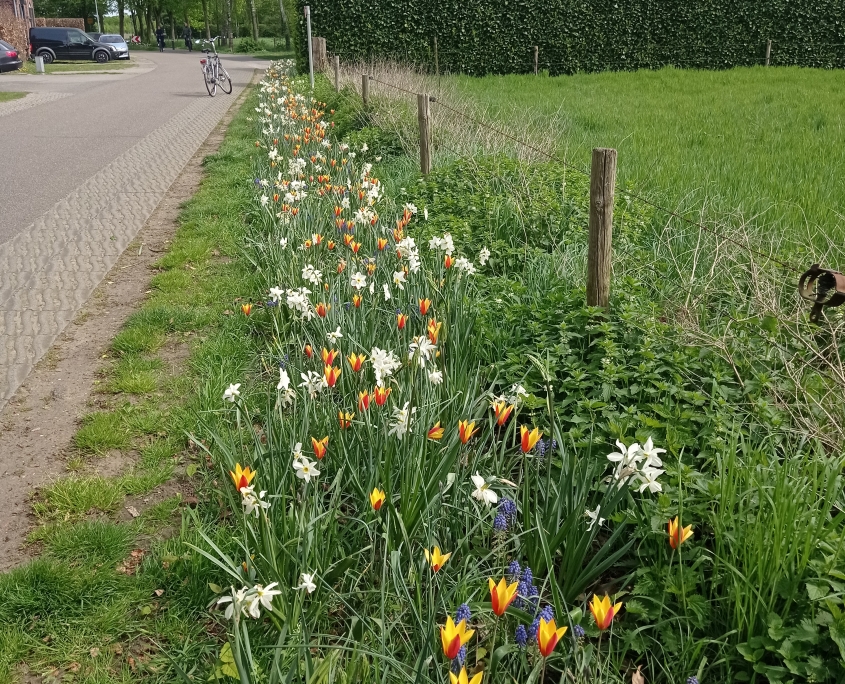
{"x":823,"y":287}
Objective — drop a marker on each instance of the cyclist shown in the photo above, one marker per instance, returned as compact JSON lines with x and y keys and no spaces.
{"x":160,"y":38}
{"x":187,"y":34}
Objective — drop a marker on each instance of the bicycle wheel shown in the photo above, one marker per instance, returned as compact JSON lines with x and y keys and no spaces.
{"x":210,"y":83}
{"x":224,"y":80}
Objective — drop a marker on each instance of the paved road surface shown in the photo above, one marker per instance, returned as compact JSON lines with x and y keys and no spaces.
{"x":84,"y":160}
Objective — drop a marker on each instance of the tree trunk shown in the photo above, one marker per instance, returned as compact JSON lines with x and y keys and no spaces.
{"x":254,"y":20}
{"x":120,"y":9}
{"x":205,"y":17}
{"x":285,"y":28}
{"x":149,"y":14}
{"x":172,"y":30}
{"x":229,"y":24}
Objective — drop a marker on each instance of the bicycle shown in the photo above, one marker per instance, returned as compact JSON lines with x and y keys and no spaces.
{"x":213,"y":71}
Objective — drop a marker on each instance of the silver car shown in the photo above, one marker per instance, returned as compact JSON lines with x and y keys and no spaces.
{"x":121,"y":49}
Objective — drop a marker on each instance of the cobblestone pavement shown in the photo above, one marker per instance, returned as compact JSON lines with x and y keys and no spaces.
{"x":50,"y":268}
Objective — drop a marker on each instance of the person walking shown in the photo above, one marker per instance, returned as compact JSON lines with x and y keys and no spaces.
{"x":160,"y":38}
{"x":187,"y":35}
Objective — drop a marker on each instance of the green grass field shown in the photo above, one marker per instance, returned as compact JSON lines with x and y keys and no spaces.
{"x":7,"y":97}
{"x":748,"y":140}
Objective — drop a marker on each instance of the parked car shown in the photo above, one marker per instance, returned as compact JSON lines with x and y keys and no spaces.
{"x":117,"y":41}
{"x":9,"y":57}
{"x":52,"y":43}
{"x":94,"y":36}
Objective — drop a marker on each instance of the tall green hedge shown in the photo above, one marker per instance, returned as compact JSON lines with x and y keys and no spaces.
{"x":497,"y":36}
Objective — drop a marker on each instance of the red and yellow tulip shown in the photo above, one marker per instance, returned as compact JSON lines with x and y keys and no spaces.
{"x":355,"y":246}
{"x":529,"y":438}
{"x":363,"y":401}
{"x":462,"y":678}
{"x":241,"y":477}
{"x":309,"y":350}
{"x":356,"y":301}
{"x":323,"y":309}
{"x":381,"y":244}
{"x":345,"y":419}
{"x":331,"y":374}
{"x":603,"y":612}
{"x":247,"y":309}
{"x":448,"y":261}
{"x":381,"y":394}
{"x":320,"y":446}
{"x":377,"y":497}
{"x":548,"y":635}
{"x":356,"y":361}
{"x":436,"y":432}
{"x":433,"y":329}
{"x":501,"y":594}
{"x":401,"y":320}
{"x":425,"y":305}
{"x":436,"y":559}
{"x":678,"y":535}
{"x":454,"y":636}
{"x":466,"y":430}
{"x":503,"y":412}
{"x":329,"y":356}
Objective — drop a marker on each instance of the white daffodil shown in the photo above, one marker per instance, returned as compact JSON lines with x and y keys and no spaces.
{"x":594,"y":518}
{"x":276,"y":294}
{"x":484,"y":257}
{"x":465,"y":265}
{"x":435,"y":377}
{"x":648,"y":479}
{"x":425,"y":213}
{"x":386,"y":292}
{"x":264,"y":200}
{"x":297,"y":451}
{"x":284,"y":380}
{"x":421,"y":348}
{"x":307,"y":583}
{"x":411,"y":208}
{"x":305,"y":469}
{"x":283,"y":243}
{"x":435,"y":244}
{"x":237,"y":603}
{"x":626,"y":457}
{"x":399,"y":279}
{"x":402,"y":421}
{"x":334,"y":336}
{"x":262,"y":597}
{"x":359,"y":280}
{"x":313,"y":383}
{"x":384,"y":363}
{"x":232,"y":392}
{"x":252,"y":502}
{"x":311,"y":274}
{"x":345,"y":202}
{"x":448,"y":244}
{"x":652,"y":455}
{"x":482,"y":490}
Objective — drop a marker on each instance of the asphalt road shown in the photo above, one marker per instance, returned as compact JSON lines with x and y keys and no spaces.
{"x":49,"y":149}
{"x":84,"y":160}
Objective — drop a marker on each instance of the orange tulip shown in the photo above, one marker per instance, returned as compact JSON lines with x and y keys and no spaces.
{"x":331,"y":374}
{"x":448,"y":261}
{"x":347,"y":239}
{"x":377,"y":497}
{"x":345,"y":419}
{"x":356,"y":361}
{"x":309,"y":350}
{"x":548,"y":635}
{"x":401,"y":320}
{"x":329,"y":356}
{"x":320,"y":446}
{"x":382,"y":243}
{"x":355,"y":246}
{"x":381,"y":394}
{"x":337,"y":211}
{"x":341,"y":266}
{"x":330,"y":244}
{"x":240,"y":477}
{"x":603,"y":612}
{"x":436,"y":559}
{"x":363,"y":401}
{"x":529,"y":439}
{"x":425,"y":305}
{"x":247,"y":309}
{"x":503,"y":412}
{"x":466,"y":430}
{"x":436,"y":433}
{"x":678,"y":536}
{"x":356,"y":301}
{"x":501,"y":594}
{"x":323,"y":309}
{"x":433,"y":330}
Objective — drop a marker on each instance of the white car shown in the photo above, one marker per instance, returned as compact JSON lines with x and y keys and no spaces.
{"x":115,"y":41}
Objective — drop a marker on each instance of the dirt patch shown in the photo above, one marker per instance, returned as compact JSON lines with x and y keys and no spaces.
{"x":38,"y":423}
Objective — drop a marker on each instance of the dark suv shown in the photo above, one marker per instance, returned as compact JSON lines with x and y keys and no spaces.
{"x":52,"y":43}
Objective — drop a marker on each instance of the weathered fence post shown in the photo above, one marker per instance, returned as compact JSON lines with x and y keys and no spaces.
{"x":436,"y":59}
{"x":536,"y":56}
{"x":307,"y":10}
{"x":768,"y":52}
{"x":337,"y":73}
{"x":424,"y":117}
{"x":319,"y":47}
{"x":365,"y":89}
{"x":599,"y":256}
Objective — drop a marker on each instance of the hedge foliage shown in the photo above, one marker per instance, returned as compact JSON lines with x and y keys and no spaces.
{"x":498,"y":36}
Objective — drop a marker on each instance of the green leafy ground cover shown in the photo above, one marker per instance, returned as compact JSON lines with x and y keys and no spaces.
{"x":6,"y":97}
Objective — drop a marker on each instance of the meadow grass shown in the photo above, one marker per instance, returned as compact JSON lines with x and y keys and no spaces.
{"x":8,"y":97}
{"x":765,"y":142}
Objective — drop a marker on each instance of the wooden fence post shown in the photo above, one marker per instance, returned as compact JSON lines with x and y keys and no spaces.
{"x":768,"y":52}
{"x":436,"y":59}
{"x":536,"y":55}
{"x":365,"y":89}
{"x":337,"y":73}
{"x":599,"y":256}
{"x":424,"y":117}
{"x":318,"y":46}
